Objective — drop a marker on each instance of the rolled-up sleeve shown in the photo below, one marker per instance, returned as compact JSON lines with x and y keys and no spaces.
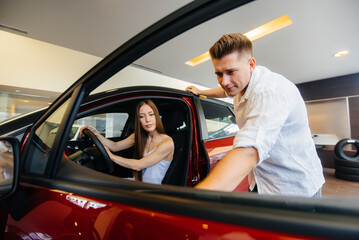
{"x":263,"y":115}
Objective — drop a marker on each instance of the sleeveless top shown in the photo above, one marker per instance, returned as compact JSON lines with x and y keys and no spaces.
{"x":155,"y":173}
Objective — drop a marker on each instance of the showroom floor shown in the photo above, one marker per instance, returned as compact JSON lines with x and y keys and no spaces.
{"x":338,"y":187}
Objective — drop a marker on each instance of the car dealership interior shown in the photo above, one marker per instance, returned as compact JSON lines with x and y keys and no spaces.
{"x":47,"y":48}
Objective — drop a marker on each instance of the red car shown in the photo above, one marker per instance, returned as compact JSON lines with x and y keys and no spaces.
{"x":62,"y":188}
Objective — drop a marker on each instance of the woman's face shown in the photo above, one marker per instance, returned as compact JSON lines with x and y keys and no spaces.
{"x":147,"y":118}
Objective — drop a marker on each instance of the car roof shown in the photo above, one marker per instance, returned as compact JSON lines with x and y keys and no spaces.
{"x":137,"y":90}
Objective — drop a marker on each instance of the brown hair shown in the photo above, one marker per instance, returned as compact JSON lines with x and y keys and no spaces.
{"x":140,"y":134}
{"x":229,"y":43}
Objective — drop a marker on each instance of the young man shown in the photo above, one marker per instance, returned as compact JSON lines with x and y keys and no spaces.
{"x":274,"y":146}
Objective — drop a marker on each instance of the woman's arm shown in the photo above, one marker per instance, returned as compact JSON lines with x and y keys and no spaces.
{"x":163,"y":150}
{"x":113,"y":146}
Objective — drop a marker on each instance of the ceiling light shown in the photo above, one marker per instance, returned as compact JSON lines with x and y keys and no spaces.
{"x":198,"y":60}
{"x":269,"y":27}
{"x":28,"y":95}
{"x":341,"y":53}
{"x":254,"y":34}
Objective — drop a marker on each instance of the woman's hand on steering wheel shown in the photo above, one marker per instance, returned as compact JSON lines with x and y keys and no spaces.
{"x":86,"y":127}
{"x":106,"y":164}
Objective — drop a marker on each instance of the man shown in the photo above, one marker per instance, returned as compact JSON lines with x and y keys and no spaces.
{"x":274,"y":146}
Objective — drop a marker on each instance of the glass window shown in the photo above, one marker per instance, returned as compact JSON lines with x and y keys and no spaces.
{"x":43,"y":140}
{"x":14,"y":103}
{"x":108,"y":125}
{"x":219,"y":120}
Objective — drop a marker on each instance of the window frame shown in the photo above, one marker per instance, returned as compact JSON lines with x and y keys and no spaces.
{"x":74,"y":96}
{"x":202,"y":118}
{"x":223,"y":107}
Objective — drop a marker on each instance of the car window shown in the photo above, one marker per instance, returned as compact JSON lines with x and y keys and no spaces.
{"x":108,"y":125}
{"x":219,"y":119}
{"x":43,"y":140}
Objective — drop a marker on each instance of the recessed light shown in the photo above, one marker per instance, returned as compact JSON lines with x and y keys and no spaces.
{"x":341,"y":53}
{"x":254,"y":34}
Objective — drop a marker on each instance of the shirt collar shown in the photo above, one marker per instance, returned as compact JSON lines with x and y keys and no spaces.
{"x":252,"y":83}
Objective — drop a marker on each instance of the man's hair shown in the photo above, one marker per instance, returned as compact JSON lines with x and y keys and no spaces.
{"x":229,"y":43}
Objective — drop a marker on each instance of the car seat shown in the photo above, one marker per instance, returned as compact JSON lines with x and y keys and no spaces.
{"x":177,"y":127}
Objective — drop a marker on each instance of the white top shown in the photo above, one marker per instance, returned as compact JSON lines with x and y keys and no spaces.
{"x":272,"y":117}
{"x":155,"y":173}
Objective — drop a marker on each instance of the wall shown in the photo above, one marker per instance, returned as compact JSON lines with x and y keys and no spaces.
{"x":33,"y":73}
{"x":342,"y":87}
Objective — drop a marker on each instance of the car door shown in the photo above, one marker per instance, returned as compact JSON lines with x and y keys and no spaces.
{"x":218,"y":129}
{"x":59,"y":199}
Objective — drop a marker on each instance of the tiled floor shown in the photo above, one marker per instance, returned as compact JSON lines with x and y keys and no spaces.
{"x":338,"y":187}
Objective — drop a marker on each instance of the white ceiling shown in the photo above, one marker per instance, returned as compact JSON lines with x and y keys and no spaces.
{"x":302,"y":52}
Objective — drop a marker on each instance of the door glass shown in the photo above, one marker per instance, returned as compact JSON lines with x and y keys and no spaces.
{"x":109,"y":125}
{"x":43,"y":140}
{"x":219,"y":120}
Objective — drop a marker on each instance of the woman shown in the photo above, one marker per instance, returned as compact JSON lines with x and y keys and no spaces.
{"x":153,"y":148}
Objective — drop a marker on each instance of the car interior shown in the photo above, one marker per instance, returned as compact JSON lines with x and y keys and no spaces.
{"x":176,"y":121}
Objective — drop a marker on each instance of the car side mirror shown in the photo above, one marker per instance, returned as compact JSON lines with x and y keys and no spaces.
{"x":9,"y":165}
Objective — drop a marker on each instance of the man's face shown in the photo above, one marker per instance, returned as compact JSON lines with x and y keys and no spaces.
{"x":234,"y":71}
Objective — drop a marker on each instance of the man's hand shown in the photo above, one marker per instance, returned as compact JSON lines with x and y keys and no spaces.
{"x":214,"y":92}
{"x":193,"y":89}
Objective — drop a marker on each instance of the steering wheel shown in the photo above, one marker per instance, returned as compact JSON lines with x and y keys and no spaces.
{"x":106,"y":164}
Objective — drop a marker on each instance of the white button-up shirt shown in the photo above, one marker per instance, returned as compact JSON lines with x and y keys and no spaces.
{"x":272,"y":117}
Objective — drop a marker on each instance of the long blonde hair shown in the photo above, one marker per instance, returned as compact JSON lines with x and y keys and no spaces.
{"x":140,"y":134}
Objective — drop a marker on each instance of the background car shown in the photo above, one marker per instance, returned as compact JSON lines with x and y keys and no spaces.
{"x":62,"y":189}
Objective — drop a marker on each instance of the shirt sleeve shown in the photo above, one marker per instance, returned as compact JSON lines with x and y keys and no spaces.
{"x":265,"y":113}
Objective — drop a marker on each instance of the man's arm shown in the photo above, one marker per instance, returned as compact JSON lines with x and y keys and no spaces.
{"x":231,"y":170}
{"x":214,"y":92}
